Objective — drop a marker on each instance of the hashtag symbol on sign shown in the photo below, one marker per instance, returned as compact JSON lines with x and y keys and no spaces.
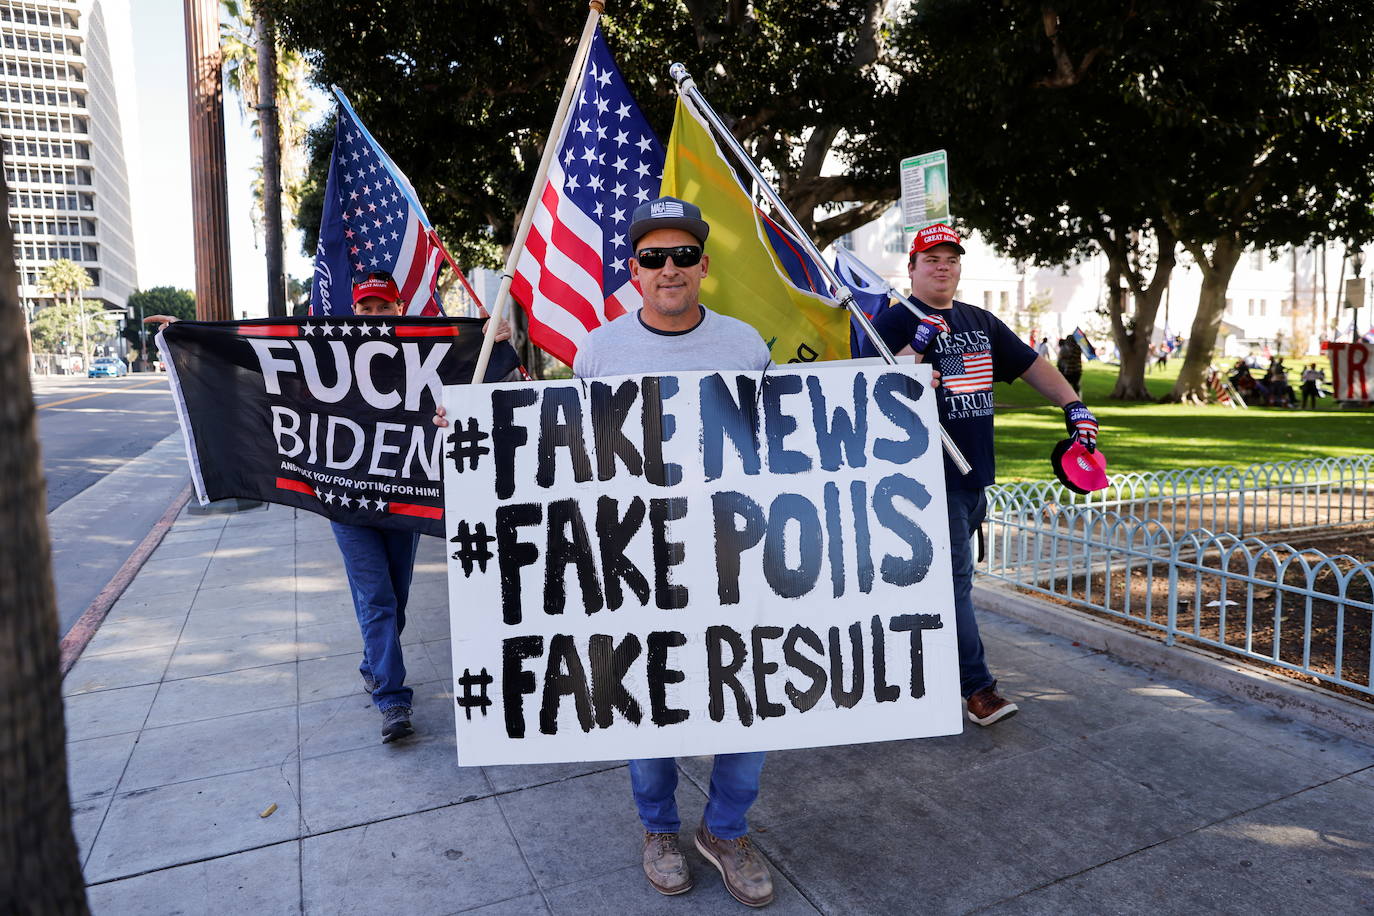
{"x":472,"y":541}
{"x":467,"y":700}
{"x":467,"y":443}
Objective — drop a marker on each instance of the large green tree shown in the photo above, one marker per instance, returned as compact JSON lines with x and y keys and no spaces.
{"x":1078,"y":127}
{"x":72,"y":326}
{"x":160,"y":300}
{"x":1274,"y":133}
{"x":1044,"y":155}
{"x":66,"y":280}
{"x":465,"y":108}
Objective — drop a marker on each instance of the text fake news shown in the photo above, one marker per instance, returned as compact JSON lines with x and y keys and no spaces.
{"x":767,"y":439}
{"x":601,"y":539}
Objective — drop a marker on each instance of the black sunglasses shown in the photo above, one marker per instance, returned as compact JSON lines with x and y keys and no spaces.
{"x":682,"y":255}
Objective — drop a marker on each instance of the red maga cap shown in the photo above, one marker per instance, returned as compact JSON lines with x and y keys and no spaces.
{"x":938,"y":234}
{"x":376,"y":286}
{"x":1077,"y":468}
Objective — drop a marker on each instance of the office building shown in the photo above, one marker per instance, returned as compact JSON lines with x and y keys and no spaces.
{"x":60,"y":119}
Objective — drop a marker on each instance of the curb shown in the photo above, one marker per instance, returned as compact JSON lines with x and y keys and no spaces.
{"x":1294,"y":699}
{"x":85,"y":627}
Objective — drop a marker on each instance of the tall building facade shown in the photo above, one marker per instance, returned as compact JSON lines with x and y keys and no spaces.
{"x":63,"y":140}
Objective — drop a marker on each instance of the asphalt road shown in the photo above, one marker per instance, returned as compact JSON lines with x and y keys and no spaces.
{"x":90,"y":427}
{"x":102,"y":501}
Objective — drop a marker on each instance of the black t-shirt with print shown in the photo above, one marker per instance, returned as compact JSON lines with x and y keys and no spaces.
{"x":978,"y":351}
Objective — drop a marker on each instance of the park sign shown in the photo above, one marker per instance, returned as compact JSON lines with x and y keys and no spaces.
{"x":331,"y":415}
{"x":925,"y":190}
{"x":698,"y":563}
{"x":1354,"y":293}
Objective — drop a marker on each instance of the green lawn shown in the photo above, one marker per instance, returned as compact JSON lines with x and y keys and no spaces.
{"x":1149,"y":437}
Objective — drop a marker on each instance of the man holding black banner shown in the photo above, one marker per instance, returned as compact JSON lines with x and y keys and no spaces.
{"x":972,"y":349}
{"x":314,"y":470}
{"x":379,"y":563}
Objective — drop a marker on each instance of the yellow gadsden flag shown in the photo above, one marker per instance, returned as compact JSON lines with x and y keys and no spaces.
{"x":758,"y":272}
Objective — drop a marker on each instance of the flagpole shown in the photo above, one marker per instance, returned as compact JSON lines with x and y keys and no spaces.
{"x":687,"y":88}
{"x":498,"y":309}
{"x":462,"y":278}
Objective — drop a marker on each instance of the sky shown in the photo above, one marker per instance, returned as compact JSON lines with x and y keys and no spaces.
{"x":160,"y":169}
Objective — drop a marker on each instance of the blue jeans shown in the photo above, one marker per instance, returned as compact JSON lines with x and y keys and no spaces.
{"x":734,"y":786}
{"x":379,"y":563}
{"x":966,"y":511}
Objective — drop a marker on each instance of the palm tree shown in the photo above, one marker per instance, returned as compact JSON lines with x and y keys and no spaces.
{"x":41,"y":871}
{"x":68,"y":279}
{"x":268,"y":79}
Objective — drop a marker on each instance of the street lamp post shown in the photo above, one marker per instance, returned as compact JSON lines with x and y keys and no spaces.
{"x":1357,"y":264}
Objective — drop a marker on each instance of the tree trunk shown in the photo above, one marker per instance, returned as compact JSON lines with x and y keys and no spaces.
{"x":1133,"y":341}
{"x":1130,"y":377}
{"x":1202,"y":341}
{"x":269,"y":125}
{"x":39,"y":868}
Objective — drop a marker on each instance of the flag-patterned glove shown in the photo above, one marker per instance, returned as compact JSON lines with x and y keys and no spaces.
{"x":931,"y":327}
{"x":1081,"y":423}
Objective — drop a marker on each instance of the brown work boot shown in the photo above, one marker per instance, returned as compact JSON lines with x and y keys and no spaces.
{"x":664,"y":864}
{"x":741,"y":865}
{"x":987,"y":706}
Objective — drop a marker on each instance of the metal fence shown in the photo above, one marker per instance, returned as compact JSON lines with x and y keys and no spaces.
{"x":1144,"y":550}
{"x":1262,"y":499}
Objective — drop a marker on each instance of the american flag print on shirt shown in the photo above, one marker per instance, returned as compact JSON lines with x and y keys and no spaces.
{"x":372,"y":221}
{"x":574,"y":273}
{"x":964,"y":372}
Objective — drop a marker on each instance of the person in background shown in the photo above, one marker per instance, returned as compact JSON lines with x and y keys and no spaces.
{"x":379,"y":562}
{"x":1070,"y":363}
{"x":1309,"y":386}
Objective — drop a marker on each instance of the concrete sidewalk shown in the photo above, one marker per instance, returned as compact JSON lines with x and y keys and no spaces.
{"x":224,"y":681}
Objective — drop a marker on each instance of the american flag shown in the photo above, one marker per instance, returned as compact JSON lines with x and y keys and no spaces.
{"x":1223,"y":390}
{"x":573,"y":274}
{"x":964,"y":372}
{"x":372,"y":221}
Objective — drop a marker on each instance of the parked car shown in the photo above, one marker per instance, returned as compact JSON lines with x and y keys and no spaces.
{"x":108,"y":366}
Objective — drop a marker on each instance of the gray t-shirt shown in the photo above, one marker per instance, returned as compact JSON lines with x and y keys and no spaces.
{"x":626,"y":346}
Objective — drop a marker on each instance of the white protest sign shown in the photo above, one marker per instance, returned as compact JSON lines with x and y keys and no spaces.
{"x":925,"y":190}
{"x":698,"y":563}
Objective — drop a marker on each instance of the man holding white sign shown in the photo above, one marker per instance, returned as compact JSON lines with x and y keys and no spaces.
{"x":972,"y":349}
{"x":674,"y":332}
{"x":666,"y":557}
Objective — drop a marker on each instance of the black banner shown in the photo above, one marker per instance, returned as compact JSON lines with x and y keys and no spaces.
{"x":332,"y":415}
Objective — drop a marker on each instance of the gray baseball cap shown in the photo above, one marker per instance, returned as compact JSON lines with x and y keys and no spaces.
{"x":668,"y":213}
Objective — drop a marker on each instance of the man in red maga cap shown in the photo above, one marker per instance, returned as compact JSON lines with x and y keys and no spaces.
{"x":971,"y":348}
{"x":379,"y":563}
